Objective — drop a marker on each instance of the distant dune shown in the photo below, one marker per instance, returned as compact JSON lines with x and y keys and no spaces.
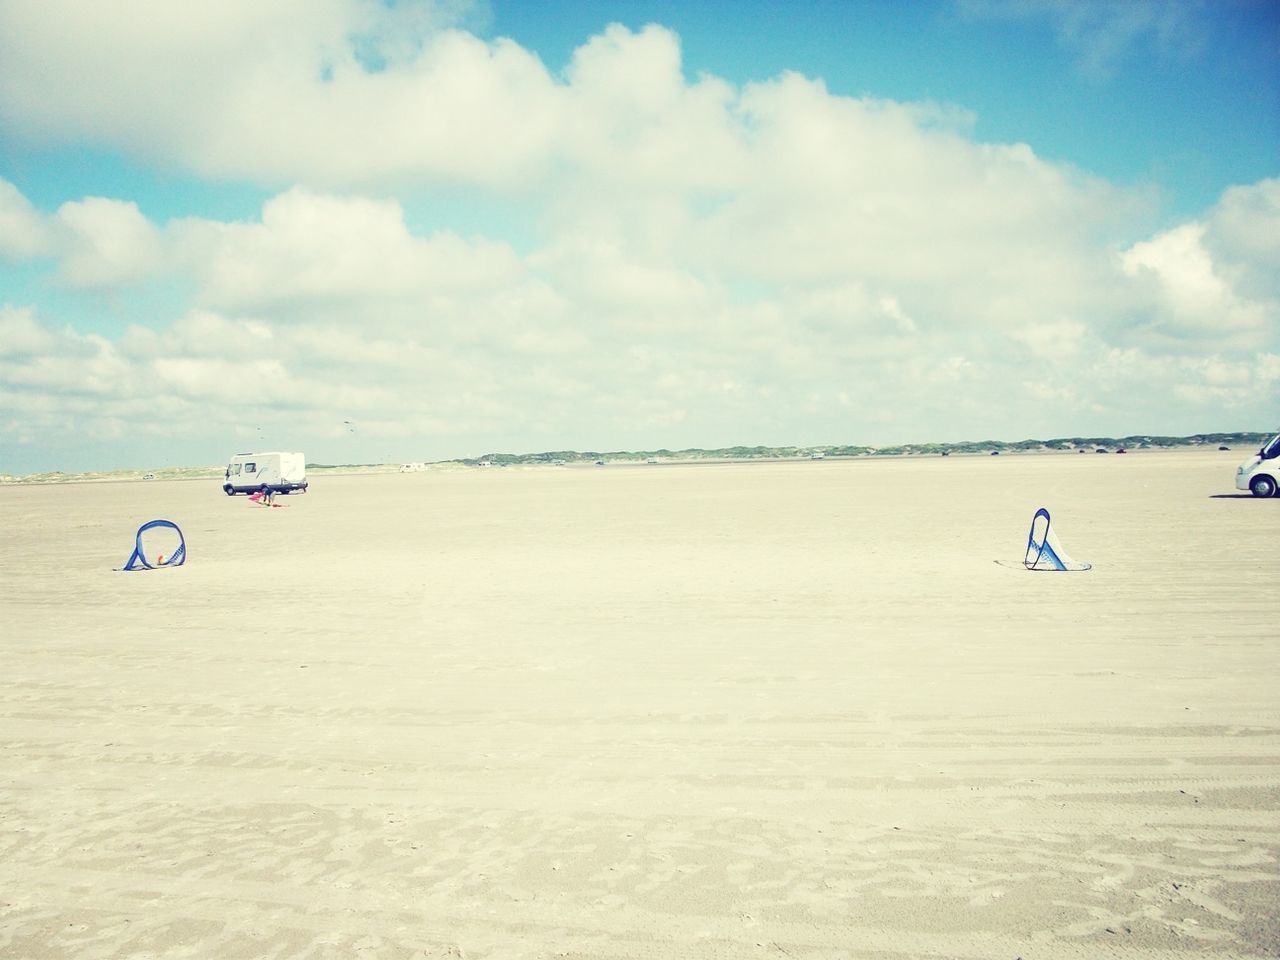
{"x":820,"y":451}
{"x":1060,"y":444}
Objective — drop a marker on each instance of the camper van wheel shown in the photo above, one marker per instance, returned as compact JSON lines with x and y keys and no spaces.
{"x":227,"y":489}
{"x":1263,"y":487}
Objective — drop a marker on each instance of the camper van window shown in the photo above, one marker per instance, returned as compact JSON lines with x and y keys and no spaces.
{"x":235,"y":470}
{"x":250,"y":468}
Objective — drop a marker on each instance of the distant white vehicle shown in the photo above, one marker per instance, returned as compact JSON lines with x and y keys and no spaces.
{"x":148,"y":476}
{"x":274,"y":471}
{"x":817,"y":455}
{"x":412,"y":467}
{"x":1260,"y":474}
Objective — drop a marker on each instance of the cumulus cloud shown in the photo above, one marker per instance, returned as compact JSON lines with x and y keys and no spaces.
{"x":311,"y":247}
{"x":24,"y":233}
{"x":1243,"y":235}
{"x":461,"y":339}
{"x":106,"y":243}
{"x":708,"y":264}
{"x":1194,"y":296}
{"x":21,"y":335}
{"x":332,"y":91}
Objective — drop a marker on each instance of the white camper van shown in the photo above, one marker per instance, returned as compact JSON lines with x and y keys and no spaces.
{"x":276,"y":472}
{"x":1261,"y":472}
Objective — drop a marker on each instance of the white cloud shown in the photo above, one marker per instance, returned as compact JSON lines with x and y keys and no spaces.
{"x":1243,"y":235}
{"x":311,"y":248}
{"x":1195,"y":298}
{"x":106,"y":243}
{"x":21,"y":335}
{"x":332,"y":91}
{"x":330,"y":308}
{"x":841,"y":187}
{"x":1053,"y":339}
{"x":23,"y":231}
{"x":706,"y":264}
{"x":74,"y":365}
{"x":633,"y":123}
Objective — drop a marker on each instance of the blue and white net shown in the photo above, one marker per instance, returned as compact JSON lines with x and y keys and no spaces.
{"x":1044,"y":550}
{"x":159,"y":543}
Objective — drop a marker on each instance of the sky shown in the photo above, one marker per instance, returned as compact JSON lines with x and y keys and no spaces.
{"x":432,"y":229}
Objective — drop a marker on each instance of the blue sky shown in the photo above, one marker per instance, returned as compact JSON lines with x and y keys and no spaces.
{"x":1132,"y":106}
{"x":620,"y":225}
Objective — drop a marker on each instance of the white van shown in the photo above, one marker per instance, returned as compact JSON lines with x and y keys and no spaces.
{"x":1261,"y":473}
{"x":275,"y":472}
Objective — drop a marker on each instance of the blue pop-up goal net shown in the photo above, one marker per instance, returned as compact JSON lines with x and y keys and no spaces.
{"x":1044,"y":550}
{"x":159,"y":543}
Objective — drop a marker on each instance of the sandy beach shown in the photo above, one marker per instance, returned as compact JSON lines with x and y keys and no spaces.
{"x":777,"y":710}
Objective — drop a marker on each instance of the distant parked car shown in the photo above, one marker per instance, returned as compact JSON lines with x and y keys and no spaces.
{"x":148,"y":476}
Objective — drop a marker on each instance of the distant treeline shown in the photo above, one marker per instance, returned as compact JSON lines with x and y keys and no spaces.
{"x":844,"y":450}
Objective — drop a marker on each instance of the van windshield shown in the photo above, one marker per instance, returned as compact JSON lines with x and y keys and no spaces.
{"x":1271,"y":450}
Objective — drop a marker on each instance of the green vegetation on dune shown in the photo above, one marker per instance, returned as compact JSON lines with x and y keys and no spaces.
{"x":1135,"y":442}
{"x":1241,"y":441}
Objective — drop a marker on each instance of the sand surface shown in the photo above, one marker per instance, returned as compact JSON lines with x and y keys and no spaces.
{"x":750,"y":710}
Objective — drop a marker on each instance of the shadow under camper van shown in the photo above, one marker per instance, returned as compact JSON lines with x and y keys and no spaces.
{"x":272,"y":472}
